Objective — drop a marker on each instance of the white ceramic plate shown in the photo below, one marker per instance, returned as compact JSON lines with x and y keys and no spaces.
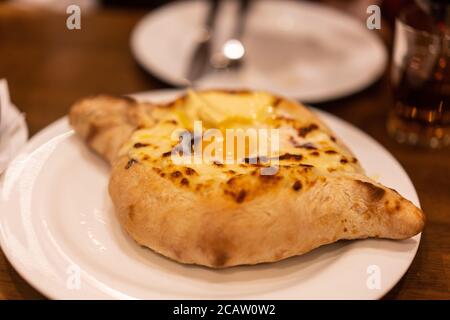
{"x":57,"y":219}
{"x":311,"y":52}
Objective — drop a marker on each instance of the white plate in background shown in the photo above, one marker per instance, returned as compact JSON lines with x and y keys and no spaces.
{"x":302,"y":50}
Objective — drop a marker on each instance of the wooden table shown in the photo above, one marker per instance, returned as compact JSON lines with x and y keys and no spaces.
{"x":48,"y":67}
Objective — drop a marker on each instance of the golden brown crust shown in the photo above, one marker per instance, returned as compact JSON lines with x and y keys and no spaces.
{"x":280,"y":223}
{"x":245,"y":219}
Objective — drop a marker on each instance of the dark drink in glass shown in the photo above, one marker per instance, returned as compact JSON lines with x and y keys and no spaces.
{"x":421,"y":78}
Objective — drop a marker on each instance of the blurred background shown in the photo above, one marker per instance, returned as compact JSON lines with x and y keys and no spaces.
{"x":321,"y":52}
{"x":48,"y":66}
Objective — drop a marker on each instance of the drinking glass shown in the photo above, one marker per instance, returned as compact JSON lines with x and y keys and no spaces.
{"x":420,"y":78}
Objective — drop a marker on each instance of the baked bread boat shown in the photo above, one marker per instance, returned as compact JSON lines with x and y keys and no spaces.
{"x":220,"y":214}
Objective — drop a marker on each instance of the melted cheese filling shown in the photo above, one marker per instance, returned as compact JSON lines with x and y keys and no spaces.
{"x":223,"y":111}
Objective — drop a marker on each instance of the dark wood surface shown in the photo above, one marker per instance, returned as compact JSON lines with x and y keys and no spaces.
{"x":48,"y":67}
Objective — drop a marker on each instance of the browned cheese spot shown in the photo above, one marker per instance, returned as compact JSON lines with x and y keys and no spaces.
{"x":290,"y":156}
{"x":303,"y":132}
{"x":374,"y":193}
{"x":157,"y":170}
{"x":308,"y":146}
{"x":176,"y":174}
{"x":297,"y":185}
{"x":241,"y":196}
{"x":140,"y":145}
{"x":270,"y":179}
{"x":190,"y":171}
{"x":276,"y":102}
{"x":256,"y":160}
{"x":231,"y":181}
{"x":184,"y":182}
{"x":130,"y":163}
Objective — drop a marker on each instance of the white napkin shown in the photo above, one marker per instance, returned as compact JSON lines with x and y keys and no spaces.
{"x":13,"y":128}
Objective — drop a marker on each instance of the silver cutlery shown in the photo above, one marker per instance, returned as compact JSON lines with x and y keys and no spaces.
{"x":200,"y":60}
{"x":233,"y":50}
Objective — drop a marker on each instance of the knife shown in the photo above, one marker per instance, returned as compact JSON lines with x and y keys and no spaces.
{"x":202,"y":52}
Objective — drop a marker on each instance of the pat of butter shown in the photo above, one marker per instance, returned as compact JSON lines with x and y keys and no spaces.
{"x":217,"y":109}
